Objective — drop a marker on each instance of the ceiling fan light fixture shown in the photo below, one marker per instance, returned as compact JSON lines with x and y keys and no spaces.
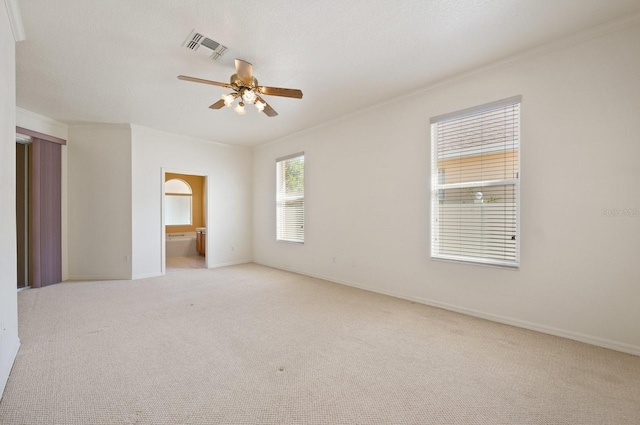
{"x":228,"y":99}
{"x":249,"y":96}
{"x":240,"y":108}
{"x":245,"y":88}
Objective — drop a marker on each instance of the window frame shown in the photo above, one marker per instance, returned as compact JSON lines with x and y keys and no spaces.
{"x":438,"y":187}
{"x":283,"y":233}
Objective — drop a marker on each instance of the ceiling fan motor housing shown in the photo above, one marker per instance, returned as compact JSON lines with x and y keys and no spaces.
{"x":236,"y":81}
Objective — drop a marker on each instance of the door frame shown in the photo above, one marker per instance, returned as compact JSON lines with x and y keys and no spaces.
{"x":205,"y":206}
{"x":45,"y":260}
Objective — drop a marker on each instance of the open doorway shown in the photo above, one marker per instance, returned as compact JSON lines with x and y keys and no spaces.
{"x":38,"y":209}
{"x":184,"y":221}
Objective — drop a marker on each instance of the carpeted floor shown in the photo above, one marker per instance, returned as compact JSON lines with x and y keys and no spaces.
{"x":253,"y":345}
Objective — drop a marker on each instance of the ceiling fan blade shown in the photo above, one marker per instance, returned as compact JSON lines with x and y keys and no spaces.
{"x":268,"y":110}
{"x":219,"y":104}
{"x":244,"y":70}
{"x":200,"y":80}
{"x":276,"y":91}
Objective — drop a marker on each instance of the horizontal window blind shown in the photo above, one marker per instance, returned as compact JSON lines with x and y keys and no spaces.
{"x":290,"y":198}
{"x":475,"y":184}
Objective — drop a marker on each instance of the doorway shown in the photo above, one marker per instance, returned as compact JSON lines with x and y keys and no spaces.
{"x":38,"y":209}
{"x":184,"y":220}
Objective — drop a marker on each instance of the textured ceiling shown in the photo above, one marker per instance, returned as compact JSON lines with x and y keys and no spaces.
{"x":116,"y":61}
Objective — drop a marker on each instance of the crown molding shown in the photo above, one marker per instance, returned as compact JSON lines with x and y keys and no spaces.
{"x":15,"y":19}
{"x":36,"y":122}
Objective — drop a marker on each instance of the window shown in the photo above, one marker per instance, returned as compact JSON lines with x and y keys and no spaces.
{"x":290,"y":198}
{"x":177,"y":202}
{"x":475,"y":187}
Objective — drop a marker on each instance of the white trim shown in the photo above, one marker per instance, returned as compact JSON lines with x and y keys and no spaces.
{"x":478,"y":109}
{"x":40,"y":123}
{"x":518,"y":184}
{"x":230,"y":263}
{"x":145,"y":276}
{"x":92,"y":278}
{"x":150,"y":275}
{"x":486,"y":262}
{"x":206,"y":206}
{"x":549,"y":330}
{"x":294,"y":155}
{"x":163,"y":227}
{"x":15,"y":19}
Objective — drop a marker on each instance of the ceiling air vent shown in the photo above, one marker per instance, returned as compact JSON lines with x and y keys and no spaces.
{"x":211,"y":48}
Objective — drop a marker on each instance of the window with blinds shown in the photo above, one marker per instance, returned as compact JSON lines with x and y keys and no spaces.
{"x":290,"y":198}
{"x":475,"y":156}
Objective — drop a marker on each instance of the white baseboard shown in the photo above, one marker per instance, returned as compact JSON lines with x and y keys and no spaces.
{"x":148,"y":275}
{"x":7,"y":357}
{"x":96,"y":277}
{"x":231,"y":263}
{"x":145,"y":275}
{"x":588,"y":339}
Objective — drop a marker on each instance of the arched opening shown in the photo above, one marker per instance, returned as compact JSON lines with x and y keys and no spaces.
{"x":178,"y":203}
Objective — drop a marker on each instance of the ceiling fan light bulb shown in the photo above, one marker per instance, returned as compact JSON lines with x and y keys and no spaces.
{"x":240,"y":109}
{"x":228,"y":99}
{"x":249,"y":96}
{"x":259,"y":106}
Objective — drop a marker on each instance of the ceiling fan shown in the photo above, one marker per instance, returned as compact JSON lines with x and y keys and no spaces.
{"x":246,"y":88}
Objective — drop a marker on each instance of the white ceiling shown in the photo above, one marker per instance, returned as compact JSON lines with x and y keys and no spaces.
{"x":116,"y":61}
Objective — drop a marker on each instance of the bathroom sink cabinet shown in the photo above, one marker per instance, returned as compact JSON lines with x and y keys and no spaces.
{"x":200,"y":241}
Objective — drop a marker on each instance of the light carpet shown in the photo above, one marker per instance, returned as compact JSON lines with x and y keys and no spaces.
{"x":254,"y":345}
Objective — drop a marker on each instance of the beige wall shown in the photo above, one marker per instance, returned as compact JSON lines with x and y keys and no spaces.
{"x":99,"y":201}
{"x":367,"y":194}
